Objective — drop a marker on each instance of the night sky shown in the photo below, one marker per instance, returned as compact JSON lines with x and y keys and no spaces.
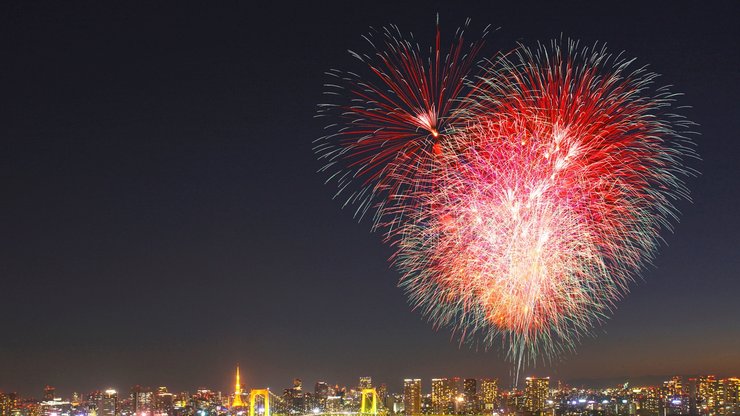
{"x":162,"y":219}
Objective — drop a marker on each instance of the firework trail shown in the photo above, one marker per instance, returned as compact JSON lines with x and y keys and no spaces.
{"x":388,"y":120}
{"x":528,"y":220}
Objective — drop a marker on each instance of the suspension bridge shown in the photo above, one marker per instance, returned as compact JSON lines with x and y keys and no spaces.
{"x":263,"y":402}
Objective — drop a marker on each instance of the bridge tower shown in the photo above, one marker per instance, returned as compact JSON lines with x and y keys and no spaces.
{"x":253,"y":395}
{"x":371,"y":396}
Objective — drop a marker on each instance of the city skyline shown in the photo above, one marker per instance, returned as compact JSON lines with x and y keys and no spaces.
{"x":676,"y":395}
{"x":162,"y":216}
{"x":439,"y":385}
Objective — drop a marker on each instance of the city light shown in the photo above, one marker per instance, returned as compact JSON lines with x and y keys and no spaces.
{"x":453,"y":396}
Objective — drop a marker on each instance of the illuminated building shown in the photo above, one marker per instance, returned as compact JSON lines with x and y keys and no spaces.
{"x":294,"y":396}
{"x":142,"y":400}
{"x":49,"y":393}
{"x":412,"y":397}
{"x":108,"y":403}
{"x":238,"y":392}
{"x":164,"y":402}
{"x":443,"y":394}
{"x":205,"y":402}
{"x":673,"y":387}
{"x":382,"y":393}
{"x":536,"y":393}
{"x":55,"y":407}
{"x":470,"y":395}
{"x":706,"y":394}
{"x":366,"y":383}
{"x":691,"y":391}
{"x":426,"y":405}
{"x":321,"y":394}
{"x":674,"y":400}
{"x":488,"y":393}
{"x":334,"y":403}
{"x":649,"y":402}
{"x":396,"y":401}
{"x":181,"y":400}
{"x":732,"y":398}
{"x":7,"y":403}
{"x":514,"y":400}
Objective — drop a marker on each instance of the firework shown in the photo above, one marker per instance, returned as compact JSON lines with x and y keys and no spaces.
{"x":548,"y":204}
{"x":522,"y":201}
{"x":389,"y":119}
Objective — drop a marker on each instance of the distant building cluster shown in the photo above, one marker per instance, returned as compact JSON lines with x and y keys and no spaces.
{"x":697,"y":396}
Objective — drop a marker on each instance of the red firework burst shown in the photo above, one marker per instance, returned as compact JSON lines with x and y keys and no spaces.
{"x":521,"y":205}
{"x":548,"y":203}
{"x":391,"y":118}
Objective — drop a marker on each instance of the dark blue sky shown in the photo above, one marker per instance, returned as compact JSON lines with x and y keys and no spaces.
{"x":161,"y":218}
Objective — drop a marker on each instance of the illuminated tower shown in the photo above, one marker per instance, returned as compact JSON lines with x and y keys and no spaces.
{"x":237,"y":391}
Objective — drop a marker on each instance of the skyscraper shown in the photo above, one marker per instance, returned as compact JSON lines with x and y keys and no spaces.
{"x":108,"y":404}
{"x":706,"y":394}
{"x":321,"y":394}
{"x":412,"y":397}
{"x":489,"y":393}
{"x":382,"y":393}
{"x":164,"y":402}
{"x":443,"y":394}
{"x":732,"y":395}
{"x":295,"y":396}
{"x":470,"y":396}
{"x":673,"y":387}
{"x":7,"y":403}
{"x":536,"y":392}
{"x":142,"y":400}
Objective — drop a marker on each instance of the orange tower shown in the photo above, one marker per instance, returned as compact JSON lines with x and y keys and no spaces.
{"x":237,"y":391}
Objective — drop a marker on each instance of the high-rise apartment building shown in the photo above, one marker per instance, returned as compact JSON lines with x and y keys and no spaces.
{"x":143,"y":399}
{"x":382,"y":393}
{"x":412,"y":397}
{"x":488,"y":394}
{"x":108,"y":403}
{"x":673,"y":387}
{"x":7,"y":403}
{"x":706,"y":394}
{"x":321,"y":394}
{"x":470,"y":396}
{"x":732,"y":396}
{"x":536,"y":393}
{"x":164,"y":402}
{"x":295,"y":397}
{"x":443,"y":394}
